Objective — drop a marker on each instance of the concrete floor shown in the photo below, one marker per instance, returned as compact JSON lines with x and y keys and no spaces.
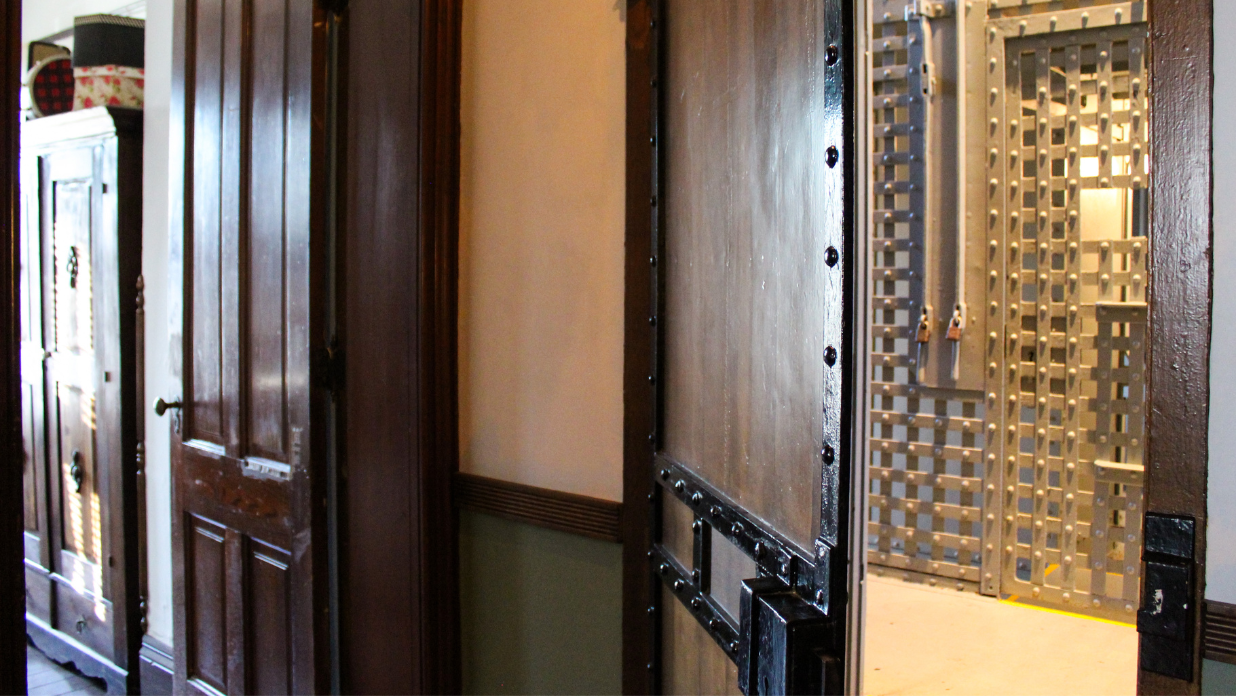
{"x":923,"y":640}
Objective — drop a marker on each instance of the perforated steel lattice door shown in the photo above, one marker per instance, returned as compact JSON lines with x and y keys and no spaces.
{"x":1031,"y":486}
{"x":925,"y":498}
{"x":1068,"y":171}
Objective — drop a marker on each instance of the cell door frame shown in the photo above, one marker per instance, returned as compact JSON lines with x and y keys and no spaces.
{"x":1180,"y":89}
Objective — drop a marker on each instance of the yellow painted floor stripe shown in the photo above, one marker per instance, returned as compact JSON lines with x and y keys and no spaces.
{"x":1012,"y":599}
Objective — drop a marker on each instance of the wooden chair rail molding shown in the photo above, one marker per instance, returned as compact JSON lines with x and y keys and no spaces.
{"x":565,"y":512}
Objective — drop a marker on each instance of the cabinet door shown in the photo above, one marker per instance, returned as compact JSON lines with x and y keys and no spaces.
{"x":73,"y":303}
{"x":36,"y":503}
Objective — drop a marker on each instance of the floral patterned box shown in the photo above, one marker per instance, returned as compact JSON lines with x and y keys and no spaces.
{"x":108,"y":85}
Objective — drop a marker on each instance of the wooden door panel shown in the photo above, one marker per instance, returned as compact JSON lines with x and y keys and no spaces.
{"x":79,"y":506}
{"x":745,"y":279}
{"x":206,"y":578}
{"x":749,"y":251}
{"x":31,"y":408}
{"x":268,"y":586}
{"x":241,"y":460}
{"x":205,"y":417}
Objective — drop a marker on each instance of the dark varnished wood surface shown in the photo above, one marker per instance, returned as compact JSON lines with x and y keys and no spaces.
{"x":744,"y":144}
{"x":692,"y":663}
{"x":12,"y":578}
{"x":566,"y":512}
{"x":638,"y":396}
{"x":1178,"y":350}
{"x":399,"y":603}
{"x":248,"y":241}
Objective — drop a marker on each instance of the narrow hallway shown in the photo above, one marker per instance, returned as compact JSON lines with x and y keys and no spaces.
{"x":47,"y":678}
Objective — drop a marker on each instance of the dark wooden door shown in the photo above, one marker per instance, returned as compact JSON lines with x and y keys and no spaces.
{"x":81,"y":245}
{"x":752,"y":442}
{"x":247,"y":427}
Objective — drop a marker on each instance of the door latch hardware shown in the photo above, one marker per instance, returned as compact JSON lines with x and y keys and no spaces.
{"x":72,"y":267}
{"x":786,"y":643}
{"x":161,"y":407}
{"x":76,"y":472}
{"x":1166,"y":618}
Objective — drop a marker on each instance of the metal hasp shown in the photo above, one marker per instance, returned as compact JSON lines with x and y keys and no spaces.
{"x":787,"y":643}
{"x":1165,"y":621}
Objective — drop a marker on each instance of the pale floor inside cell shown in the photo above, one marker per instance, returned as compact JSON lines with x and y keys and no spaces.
{"x":923,"y":641}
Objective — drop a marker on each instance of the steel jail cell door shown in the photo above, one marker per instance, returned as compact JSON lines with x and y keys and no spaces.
{"x":248,"y":557}
{"x":749,"y":255}
{"x":1020,"y":473}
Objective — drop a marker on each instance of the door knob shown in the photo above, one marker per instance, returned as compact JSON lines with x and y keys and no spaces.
{"x":161,"y":406}
{"x":76,"y":471}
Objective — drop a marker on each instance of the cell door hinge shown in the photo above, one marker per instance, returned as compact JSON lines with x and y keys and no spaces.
{"x":329,"y":367}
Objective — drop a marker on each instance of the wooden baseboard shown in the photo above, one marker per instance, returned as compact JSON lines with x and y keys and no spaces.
{"x":1219,"y":632}
{"x":565,"y":512}
{"x":156,"y":666}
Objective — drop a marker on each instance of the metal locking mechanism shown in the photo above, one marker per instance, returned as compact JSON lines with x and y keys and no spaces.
{"x":788,"y":643}
{"x":1166,"y":618}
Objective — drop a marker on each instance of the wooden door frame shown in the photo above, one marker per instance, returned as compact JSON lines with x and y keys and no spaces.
{"x":12,"y":573}
{"x":1178,"y":374}
{"x":1180,"y":268}
{"x":399,"y":118}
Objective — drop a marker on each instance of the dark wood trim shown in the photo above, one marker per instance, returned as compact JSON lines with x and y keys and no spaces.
{"x":1178,"y":342}
{"x":438,"y":328}
{"x":1219,"y":632}
{"x":12,"y":575}
{"x":398,"y":315}
{"x":156,"y":665}
{"x":543,"y":507}
{"x":639,"y":624}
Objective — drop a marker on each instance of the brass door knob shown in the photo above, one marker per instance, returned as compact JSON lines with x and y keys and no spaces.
{"x":161,"y":406}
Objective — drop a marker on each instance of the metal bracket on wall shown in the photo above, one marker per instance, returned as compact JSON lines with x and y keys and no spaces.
{"x":1165,"y":622}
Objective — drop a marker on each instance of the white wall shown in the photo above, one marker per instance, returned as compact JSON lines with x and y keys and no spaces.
{"x":154,"y":271}
{"x":41,"y":18}
{"x":1221,"y":494}
{"x":541,"y":243}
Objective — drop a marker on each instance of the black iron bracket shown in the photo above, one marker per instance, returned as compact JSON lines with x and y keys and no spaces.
{"x":774,"y":554}
{"x":1166,"y":623}
{"x":705,"y":609}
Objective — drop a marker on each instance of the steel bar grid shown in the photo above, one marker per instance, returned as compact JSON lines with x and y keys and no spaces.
{"x":1070,"y":146}
{"x":1034,"y":488}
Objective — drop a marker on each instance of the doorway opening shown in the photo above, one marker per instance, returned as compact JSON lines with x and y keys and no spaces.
{"x":1008,"y":174}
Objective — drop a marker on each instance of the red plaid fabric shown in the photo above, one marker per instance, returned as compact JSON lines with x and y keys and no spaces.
{"x":52,"y":87}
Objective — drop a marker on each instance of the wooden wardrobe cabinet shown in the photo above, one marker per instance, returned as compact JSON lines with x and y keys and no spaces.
{"x":81,"y":256}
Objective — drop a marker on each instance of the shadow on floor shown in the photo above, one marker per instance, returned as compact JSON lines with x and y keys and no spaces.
{"x":47,"y":678}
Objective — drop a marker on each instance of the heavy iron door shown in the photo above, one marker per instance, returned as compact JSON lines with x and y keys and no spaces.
{"x":752,"y":450}
{"x":248,"y":502}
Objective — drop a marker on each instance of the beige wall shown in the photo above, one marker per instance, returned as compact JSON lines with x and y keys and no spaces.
{"x":541,"y":243}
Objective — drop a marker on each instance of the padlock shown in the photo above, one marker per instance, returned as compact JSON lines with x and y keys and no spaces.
{"x":924,"y":331}
{"x":954,"y":329}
